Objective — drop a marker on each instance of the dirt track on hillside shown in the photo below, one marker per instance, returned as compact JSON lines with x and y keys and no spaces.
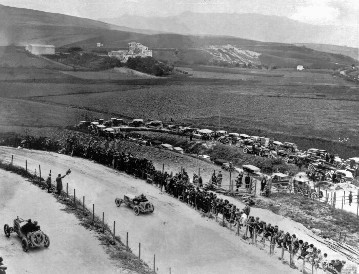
{"x":73,"y":249}
{"x":180,"y":238}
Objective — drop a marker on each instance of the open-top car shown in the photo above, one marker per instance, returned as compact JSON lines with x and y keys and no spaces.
{"x":29,"y":233}
{"x":139,"y":204}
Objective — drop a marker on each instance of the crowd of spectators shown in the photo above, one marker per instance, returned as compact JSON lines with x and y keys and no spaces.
{"x":203,"y":199}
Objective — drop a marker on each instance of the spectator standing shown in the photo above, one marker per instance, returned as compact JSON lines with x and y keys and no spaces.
{"x":247,"y":181}
{"x":59,"y":183}
{"x":48,"y":183}
{"x":350,"y":198}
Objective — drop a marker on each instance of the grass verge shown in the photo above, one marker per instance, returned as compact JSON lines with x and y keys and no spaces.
{"x":112,"y":244}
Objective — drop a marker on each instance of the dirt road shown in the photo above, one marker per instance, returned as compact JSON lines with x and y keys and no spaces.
{"x":180,"y":238}
{"x":73,"y":249}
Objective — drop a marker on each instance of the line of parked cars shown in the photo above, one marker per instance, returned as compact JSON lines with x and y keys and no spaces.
{"x":317,"y":159}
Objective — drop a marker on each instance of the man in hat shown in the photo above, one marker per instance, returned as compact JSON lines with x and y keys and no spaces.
{"x":59,"y":183}
{"x":48,"y":183}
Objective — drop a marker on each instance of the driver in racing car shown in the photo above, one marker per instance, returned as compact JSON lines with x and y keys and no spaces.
{"x":140,"y":198}
{"x":30,"y":227}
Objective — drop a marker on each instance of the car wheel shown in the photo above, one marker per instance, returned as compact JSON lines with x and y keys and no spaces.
{"x":7,"y":230}
{"x":46,"y":241}
{"x":118,"y":202}
{"x":152,"y":209}
{"x":25,"y":244}
{"x":245,"y":150}
{"x":136,"y":209}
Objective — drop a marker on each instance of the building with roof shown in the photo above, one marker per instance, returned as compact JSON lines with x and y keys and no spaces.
{"x":134,"y":50}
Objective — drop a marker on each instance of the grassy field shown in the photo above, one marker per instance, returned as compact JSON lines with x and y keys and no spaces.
{"x":313,"y":109}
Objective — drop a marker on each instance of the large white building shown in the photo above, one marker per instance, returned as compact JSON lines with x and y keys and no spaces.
{"x":134,"y":50}
{"x":37,"y":49}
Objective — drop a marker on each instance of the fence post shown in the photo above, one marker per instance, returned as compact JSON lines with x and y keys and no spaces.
{"x":114,"y":229}
{"x":93,"y":213}
{"x":67,"y":189}
{"x":282,"y":256}
{"x":12,"y":159}
{"x":303,"y":267}
{"x":163,"y":168}
{"x":75,"y":197}
{"x":139,"y":251}
{"x":103,"y":222}
{"x":26,"y":165}
{"x":127,"y":240}
{"x":334,"y":199}
{"x":154,"y":263}
{"x":39,"y":174}
{"x":342,"y":201}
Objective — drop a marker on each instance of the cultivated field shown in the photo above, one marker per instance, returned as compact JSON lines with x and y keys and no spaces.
{"x":312,"y":109}
{"x":327,"y":114}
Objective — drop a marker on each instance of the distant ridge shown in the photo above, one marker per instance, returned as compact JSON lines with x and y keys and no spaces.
{"x":265,"y":28}
{"x":22,"y":26}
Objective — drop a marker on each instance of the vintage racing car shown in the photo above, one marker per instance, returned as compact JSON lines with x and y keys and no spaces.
{"x":29,"y":233}
{"x":139,"y":204}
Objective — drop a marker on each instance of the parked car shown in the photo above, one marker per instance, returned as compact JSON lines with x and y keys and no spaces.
{"x":154,"y":124}
{"x":137,"y":123}
{"x":139,"y":204}
{"x":178,"y":150}
{"x":29,"y":233}
{"x":167,"y":146}
{"x":290,"y":147}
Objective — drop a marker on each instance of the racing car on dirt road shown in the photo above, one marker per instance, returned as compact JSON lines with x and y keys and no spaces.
{"x":139,"y":204}
{"x":29,"y":233}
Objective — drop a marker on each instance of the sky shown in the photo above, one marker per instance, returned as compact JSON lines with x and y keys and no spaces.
{"x":318,"y":12}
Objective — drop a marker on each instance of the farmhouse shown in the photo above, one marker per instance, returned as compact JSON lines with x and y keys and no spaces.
{"x":134,"y":50}
{"x":40,"y":49}
{"x":300,"y":68}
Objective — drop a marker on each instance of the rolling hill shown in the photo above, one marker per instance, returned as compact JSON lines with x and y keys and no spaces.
{"x":22,"y":26}
{"x":265,"y":28}
{"x":348,"y":51}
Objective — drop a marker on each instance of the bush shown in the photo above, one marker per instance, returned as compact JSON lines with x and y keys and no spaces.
{"x":149,"y":65}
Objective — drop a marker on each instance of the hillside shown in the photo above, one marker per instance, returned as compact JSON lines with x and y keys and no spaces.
{"x":348,"y":51}
{"x":258,"y":27}
{"x":22,"y":26}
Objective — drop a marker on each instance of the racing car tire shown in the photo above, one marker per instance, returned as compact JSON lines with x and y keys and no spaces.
{"x":46,"y":241}
{"x":7,"y":230}
{"x":25,"y":244}
{"x":136,"y":209}
{"x":34,"y":236}
{"x":118,"y":202}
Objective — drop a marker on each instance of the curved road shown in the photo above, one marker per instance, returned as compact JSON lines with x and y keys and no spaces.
{"x":180,"y":238}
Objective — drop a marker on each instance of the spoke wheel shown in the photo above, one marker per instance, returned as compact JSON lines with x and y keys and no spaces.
{"x":136,"y":210}
{"x":7,"y":230}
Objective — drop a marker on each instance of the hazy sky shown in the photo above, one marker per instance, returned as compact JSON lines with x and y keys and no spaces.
{"x":333,"y":12}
